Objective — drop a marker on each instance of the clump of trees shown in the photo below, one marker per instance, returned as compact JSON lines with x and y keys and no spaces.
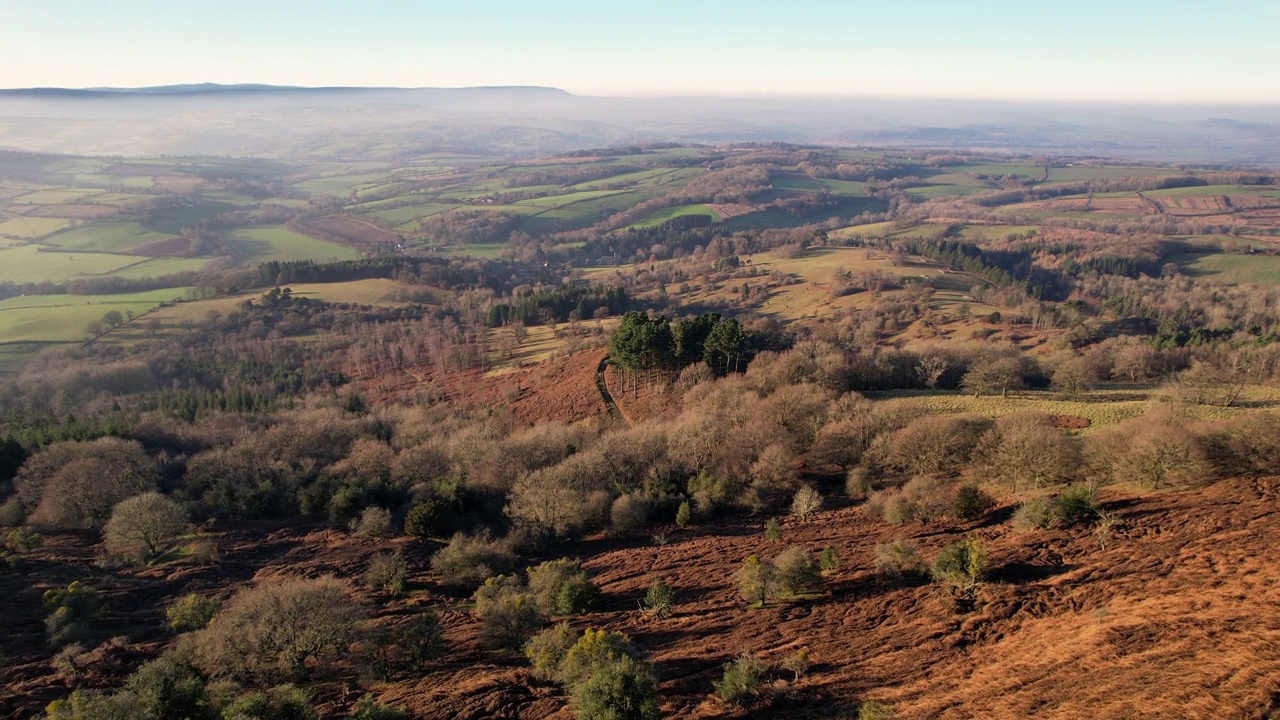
{"x":280,"y":630}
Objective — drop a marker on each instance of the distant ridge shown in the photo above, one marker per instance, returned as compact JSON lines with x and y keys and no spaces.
{"x":217,"y":88}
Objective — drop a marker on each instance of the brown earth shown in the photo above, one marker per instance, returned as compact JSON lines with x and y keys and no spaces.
{"x":1178,"y":617}
{"x":345,"y":229}
{"x":561,"y":389}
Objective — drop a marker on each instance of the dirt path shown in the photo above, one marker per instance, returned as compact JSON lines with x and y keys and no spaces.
{"x":603,"y":386}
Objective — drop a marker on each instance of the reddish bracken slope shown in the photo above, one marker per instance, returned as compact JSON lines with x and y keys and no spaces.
{"x":1178,"y":617}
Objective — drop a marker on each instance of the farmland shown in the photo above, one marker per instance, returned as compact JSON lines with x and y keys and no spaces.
{"x":152,"y":218}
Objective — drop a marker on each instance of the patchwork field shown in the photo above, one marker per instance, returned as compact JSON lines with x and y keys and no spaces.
{"x":62,"y":318}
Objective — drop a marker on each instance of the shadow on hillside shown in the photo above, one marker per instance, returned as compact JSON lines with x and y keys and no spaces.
{"x":1019,"y":573}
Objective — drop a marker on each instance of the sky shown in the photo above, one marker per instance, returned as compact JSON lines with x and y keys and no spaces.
{"x":1185,"y":51}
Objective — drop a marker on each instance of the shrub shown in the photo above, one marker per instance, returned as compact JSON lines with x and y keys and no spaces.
{"x":971,"y":503}
{"x":69,"y":662}
{"x":1077,"y":503}
{"x":420,"y":639}
{"x":374,"y":522}
{"x":660,"y":599}
{"x":282,"y":703}
{"x":386,"y":572}
{"x":621,"y":690}
{"x":192,"y":612}
{"x":278,"y":629}
{"x":22,"y":540}
{"x":70,"y":612}
{"x":961,"y":565}
{"x":741,"y":680}
{"x":1163,"y":456}
{"x":467,"y":560}
{"x":684,"y":515}
{"x":857,"y":483}
{"x":928,"y":496}
{"x":796,"y":572}
{"x":628,"y":514}
{"x":871,"y":710}
{"x":432,"y":519}
{"x":830,"y":559}
{"x":897,"y":509}
{"x":1034,"y":513}
{"x":90,"y":705}
{"x":508,"y":613}
{"x":368,"y":708}
{"x":1253,"y":445}
{"x":797,"y":663}
{"x":773,"y":530}
{"x":145,"y":524}
{"x":755,"y":581}
{"x":593,"y":651}
{"x":546,"y":650}
{"x":167,"y":688}
{"x":899,"y":559}
{"x":561,"y":587}
{"x":807,"y":501}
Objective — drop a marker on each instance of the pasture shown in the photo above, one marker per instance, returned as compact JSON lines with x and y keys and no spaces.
{"x":62,"y":318}
{"x":23,"y":227}
{"x":275,"y":242}
{"x":1242,"y":268}
{"x":676,"y":211}
{"x":32,"y":263}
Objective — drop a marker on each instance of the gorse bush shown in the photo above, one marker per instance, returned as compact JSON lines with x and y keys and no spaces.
{"x":70,"y":612}
{"x":624,"y":689}
{"x":191,"y":612}
{"x":961,"y":565}
{"x":741,"y":679}
{"x":546,"y":650}
{"x":659,"y":599}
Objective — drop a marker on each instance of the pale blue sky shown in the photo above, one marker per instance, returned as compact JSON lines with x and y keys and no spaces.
{"x":1116,"y":50}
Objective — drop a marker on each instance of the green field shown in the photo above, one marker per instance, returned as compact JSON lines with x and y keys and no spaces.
{"x":1078,"y":173}
{"x":54,"y":197}
{"x":1213,"y":190}
{"x":62,"y":318}
{"x":108,"y":237}
{"x":22,"y":227}
{"x":274,"y":242}
{"x":994,"y":232}
{"x":666,"y":214}
{"x":159,"y":267}
{"x":29,"y":263}
{"x":1262,"y":269}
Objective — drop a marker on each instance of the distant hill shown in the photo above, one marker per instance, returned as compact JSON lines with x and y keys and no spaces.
{"x":525,"y":121}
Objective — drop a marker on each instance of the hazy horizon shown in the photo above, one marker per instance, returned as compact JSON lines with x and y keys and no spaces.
{"x":1088,"y":52}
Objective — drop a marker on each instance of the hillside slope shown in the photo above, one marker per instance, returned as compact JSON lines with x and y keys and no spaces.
{"x":1179,"y":616}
